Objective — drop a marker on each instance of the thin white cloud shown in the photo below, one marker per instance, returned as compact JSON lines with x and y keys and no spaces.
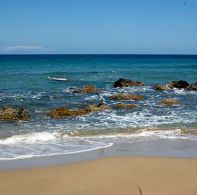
{"x":22,"y":48}
{"x":26,"y":49}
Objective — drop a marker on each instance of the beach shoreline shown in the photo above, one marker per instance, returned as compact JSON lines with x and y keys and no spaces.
{"x":169,"y":148}
{"x":110,"y":175}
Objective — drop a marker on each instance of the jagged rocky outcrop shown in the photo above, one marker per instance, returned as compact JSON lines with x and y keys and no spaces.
{"x":169,"y":102}
{"x":124,"y":106}
{"x":192,"y":87}
{"x":87,"y":89}
{"x":127,"y":83}
{"x":14,"y":114}
{"x":178,"y":84}
{"x":126,"y":96}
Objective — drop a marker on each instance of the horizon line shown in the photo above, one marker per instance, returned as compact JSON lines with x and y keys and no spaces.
{"x":95,"y":54}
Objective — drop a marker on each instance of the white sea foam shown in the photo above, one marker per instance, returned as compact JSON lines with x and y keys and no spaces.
{"x":59,"y":143}
{"x":46,"y":144}
{"x":57,"y":78}
{"x":182,"y":92}
{"x":56,"y":153}
{"x":29,"y":138}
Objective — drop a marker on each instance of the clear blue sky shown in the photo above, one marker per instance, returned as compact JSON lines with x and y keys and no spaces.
{"x":98,"y":26}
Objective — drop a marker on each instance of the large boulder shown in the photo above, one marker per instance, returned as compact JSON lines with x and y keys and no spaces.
{"x":125,"y":106}
{"x":14,"y":114}
{"x":88,"y":89}
{"x":64,"y":112}
{"x":192,"y":87}
{"x":169,"y":102}
{"x":126,"y":96}
{"x":127,"y":83}
{"x":178,"y":84}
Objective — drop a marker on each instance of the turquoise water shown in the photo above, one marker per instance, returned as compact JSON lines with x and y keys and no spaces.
{"x":42,"y":82}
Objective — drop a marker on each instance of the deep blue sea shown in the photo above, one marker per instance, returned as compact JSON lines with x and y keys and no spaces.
{"x":40,"y":83}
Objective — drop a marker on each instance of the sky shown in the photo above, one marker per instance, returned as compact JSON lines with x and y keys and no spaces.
{"x":98,"y":26}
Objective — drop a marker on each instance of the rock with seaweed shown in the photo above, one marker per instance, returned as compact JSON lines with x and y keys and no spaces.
{"x":169,"y":102}
{"x":126,"y":96}
{"x":124,"y":106}
{"x":14,"y":114}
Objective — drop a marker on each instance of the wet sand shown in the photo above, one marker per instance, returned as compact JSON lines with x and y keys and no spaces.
{"x":115,"y":175}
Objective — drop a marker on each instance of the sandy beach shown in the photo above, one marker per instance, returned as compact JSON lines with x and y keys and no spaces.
{"x":116,"y":175}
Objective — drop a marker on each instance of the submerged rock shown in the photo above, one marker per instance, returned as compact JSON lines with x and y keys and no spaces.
{"x":100,"y":107}
{"x":125,"y":106}
{"x":126,"y":83}
{"x":160,"y":87}
{"x":170,"y":101}
{"x":126,"y":96}
{"x":178,"y":84}
{"x":88,"y":89}
{"x":192,"y":87}
{"x":13,"y":114}
{"x":64,"y":112}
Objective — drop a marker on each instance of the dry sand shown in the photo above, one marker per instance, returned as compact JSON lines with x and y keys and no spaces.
{"x":117,"y":175}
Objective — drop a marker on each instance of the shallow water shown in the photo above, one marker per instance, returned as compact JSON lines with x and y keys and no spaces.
{"x":42,"y":82}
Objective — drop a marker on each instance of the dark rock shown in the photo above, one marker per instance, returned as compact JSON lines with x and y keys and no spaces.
{"x":125,"y":106}
{"x":178,"y":84}
{"x":170,"y":101}
{"x":13,"y":114}
{"x":192,"y":87}
{"x":127,"y":83}
{"x":126,"y":96}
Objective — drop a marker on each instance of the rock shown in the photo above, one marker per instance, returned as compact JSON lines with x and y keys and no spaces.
{"x":125,"y":106}
{"x":170,"y":101}
{"x":99,"y":107}
{"x":178,"y":84}
{"x":160,"y":87}
{"x":64,"y":112}
{"x":192,"y":87}
{"x":126,"y":96}
{"x":13,"y":114}
{"x":127,"y":83}
{"x":87,"y":89}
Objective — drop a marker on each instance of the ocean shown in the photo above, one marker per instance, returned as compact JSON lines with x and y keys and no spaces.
{"x":40,"y":83}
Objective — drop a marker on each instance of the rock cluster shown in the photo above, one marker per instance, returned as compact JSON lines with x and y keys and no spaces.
{"x":14,"y":114}
{"x":177,"y":84}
